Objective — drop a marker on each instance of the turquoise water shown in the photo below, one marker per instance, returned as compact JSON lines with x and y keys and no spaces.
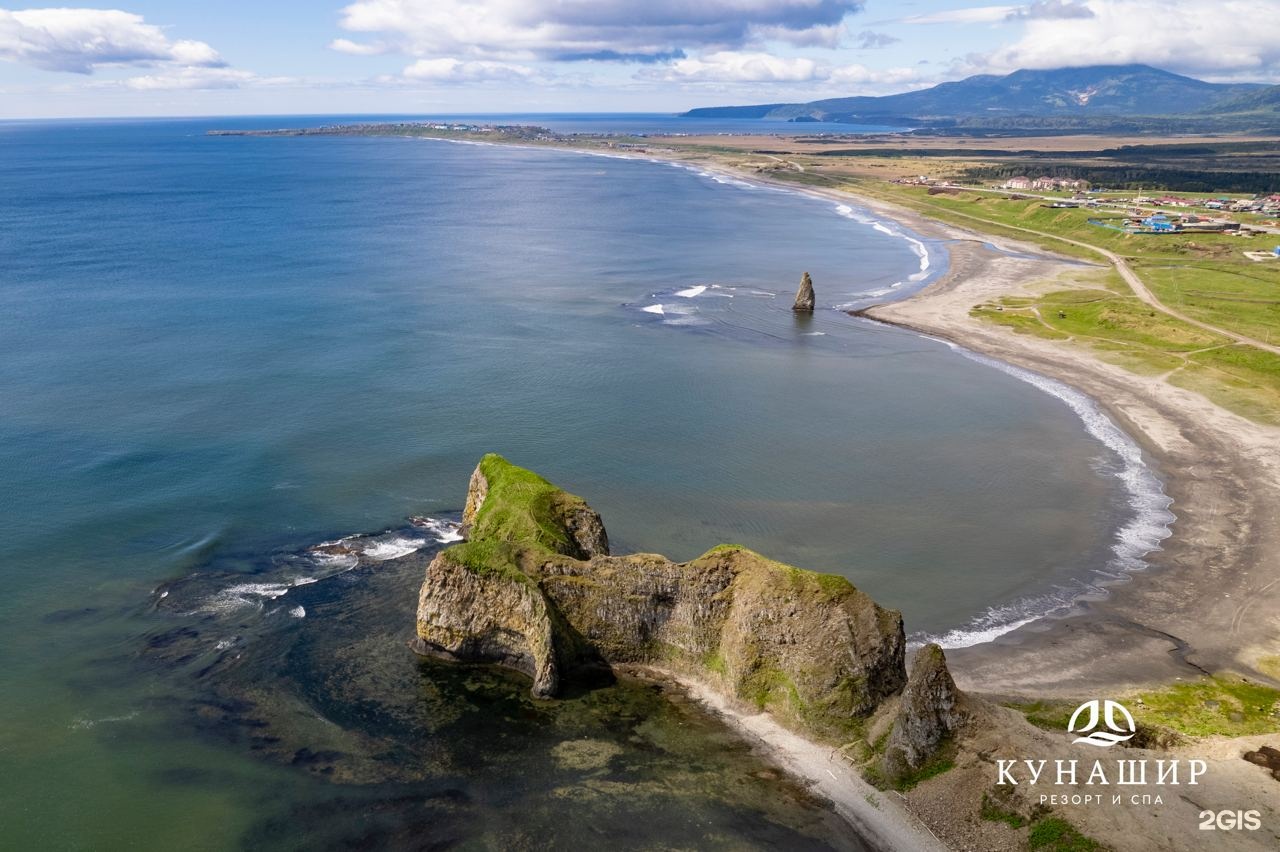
{"x":216,"y":353}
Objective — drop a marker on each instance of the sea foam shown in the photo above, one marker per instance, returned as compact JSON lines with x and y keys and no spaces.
{"x":1148,"y":525}
{"x":392,"y":548}
{"x":918,"y":248}
{"x":444,"y":532}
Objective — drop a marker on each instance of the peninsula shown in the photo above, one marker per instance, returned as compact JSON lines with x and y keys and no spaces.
{"x":535,"y":588}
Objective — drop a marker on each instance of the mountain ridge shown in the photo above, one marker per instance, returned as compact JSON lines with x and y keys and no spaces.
{"x":1104,"y":92}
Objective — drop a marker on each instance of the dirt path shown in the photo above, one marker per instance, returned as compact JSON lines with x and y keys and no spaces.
{"x":1135,"y":283}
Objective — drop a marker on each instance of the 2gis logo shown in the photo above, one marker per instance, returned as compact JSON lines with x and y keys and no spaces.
{"x":1230,"y":820}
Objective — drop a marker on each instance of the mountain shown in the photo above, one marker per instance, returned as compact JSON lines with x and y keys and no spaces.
{"x":1096,"y":92}
{"x":1260,"y":100}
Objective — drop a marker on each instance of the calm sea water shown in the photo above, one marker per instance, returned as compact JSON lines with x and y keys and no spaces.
{"x":216,"y":353}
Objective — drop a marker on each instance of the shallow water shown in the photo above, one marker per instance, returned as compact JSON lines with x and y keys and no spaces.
{"x":216,"y":353}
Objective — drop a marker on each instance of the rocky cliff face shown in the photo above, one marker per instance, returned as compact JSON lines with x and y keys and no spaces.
{"x":805,"y":299}
{"x":534,"y":588}
{"x":928,"y":716}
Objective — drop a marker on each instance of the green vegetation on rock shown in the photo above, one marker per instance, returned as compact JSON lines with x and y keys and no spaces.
{"x":522,"y":508}
{"x":534,"y":588}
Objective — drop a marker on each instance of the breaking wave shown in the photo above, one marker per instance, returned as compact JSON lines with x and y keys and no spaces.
{"x":324,"y":560}
{"x":1148,"y":525}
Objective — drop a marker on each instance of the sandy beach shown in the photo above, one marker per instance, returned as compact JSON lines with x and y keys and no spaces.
{"x":1210,"y":600}
{"x":882,"y":819}
{"x":1208,"y":605}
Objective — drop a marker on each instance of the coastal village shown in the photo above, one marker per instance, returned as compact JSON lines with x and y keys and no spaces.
{"x":1165,"y":213}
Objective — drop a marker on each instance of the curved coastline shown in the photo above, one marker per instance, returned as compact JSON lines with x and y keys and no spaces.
{"x":1221,"y":471}
{"x":1141,"y":534}
{"x":1150,"y":522}
{"x":1208,"y":609}
{"x":1135,"y":538}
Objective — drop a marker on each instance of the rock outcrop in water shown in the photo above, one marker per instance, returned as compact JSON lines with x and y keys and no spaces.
{"x":535,"y":589}
{"x":927,"y":717}
{"x":805,"y":299}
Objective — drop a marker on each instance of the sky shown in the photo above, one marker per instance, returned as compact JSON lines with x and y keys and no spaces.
{"x":278,"y":57}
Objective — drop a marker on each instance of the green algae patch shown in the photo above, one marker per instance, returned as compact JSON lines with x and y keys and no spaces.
{"x":585,"y":755}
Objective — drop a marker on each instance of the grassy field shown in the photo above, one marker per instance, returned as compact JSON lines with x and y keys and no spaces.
{"x":1227,"y":706}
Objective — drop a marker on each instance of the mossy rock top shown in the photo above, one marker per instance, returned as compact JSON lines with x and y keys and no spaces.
{"x":535,"y":588}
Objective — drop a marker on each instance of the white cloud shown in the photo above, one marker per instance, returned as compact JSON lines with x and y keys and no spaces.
{"x":591,"y":29}
{"x":860,"y":74}
{"x":871,"y":40}
{"x":975,"y":15}
{"x":191,"y":79}
{"x":81,"y":40}
{"x":822,"y":35}
{"x":1039,"y":10}
{"x":343,"y":45}
{"x":1052,"y":10}
{"x":457,"y":71}
{"x":756,"y":67}
{"x":1185,"y":35}
{"x":733,"y":67}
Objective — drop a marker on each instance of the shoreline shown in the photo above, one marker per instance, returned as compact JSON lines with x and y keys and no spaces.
{"x":878,"y":819}
{"x":1206,"y":605}
{"x":1180,"y":618}
{"x":1201,"y":605}
{"x":969,"y":254}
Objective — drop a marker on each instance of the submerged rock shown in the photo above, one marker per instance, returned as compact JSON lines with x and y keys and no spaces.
{"x":927,"y":717}
{"x":535,"y":589}
{"x":805,"y":299}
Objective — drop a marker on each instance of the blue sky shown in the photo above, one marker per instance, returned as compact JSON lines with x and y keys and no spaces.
{"x":148,"y":57}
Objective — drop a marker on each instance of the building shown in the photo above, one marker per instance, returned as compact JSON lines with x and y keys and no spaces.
{"x":1017,"y":183}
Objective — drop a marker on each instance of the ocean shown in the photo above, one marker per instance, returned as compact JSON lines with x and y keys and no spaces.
{"x":217,"y":353}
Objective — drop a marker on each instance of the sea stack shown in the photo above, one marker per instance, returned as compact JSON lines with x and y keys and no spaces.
{"x":804,"y":296}
{"x":927,"y":718}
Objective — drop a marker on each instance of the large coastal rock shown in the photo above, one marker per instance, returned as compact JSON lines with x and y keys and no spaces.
{"x":928,"y":715}
{"x":805,"y":299}
{"x":535,"y":589}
